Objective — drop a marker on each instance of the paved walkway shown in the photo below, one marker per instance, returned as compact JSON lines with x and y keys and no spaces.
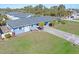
{"x":68,"y":36}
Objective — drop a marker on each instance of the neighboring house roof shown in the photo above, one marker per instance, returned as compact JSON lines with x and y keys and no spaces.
{"x":30,"y":21}
{"x":19,"y":14}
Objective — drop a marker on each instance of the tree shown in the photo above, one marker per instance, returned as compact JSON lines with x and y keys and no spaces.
{"x":39,"y":9}
{"x":2,"y":22}
{"x":40,"y":6}
{"x":61,"y":11}
{"x":54,"y":11}
{"x":8,"y":9}
{"x":58,"y":11}
{"x":28,"y":9}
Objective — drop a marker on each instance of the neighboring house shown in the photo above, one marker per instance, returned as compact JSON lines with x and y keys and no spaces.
{"x":17,"y":15}
{"x":11,"y":17}
{"x":74,"y":15}
{"x":27,"y":24}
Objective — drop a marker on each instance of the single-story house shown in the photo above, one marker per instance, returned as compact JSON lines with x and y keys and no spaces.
{"x":24,"y":22}
{"x":27,"y":24}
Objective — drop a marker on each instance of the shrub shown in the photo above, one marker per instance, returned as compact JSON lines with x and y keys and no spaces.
{"x":63,"y":22}
{"x":53,"y":23}
{"x":7,"y":35}
{"x":41,"y":24}
{"x":2,"y":22}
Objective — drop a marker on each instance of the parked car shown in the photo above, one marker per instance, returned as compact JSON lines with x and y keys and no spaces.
{"x":40,"y":28}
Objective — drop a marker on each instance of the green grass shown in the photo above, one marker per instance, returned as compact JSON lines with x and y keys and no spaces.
{"x":37,"y":42}
{"x":71,"y":27}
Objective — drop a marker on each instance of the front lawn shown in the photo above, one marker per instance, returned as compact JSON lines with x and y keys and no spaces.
{"x":70,"y":26}
{"x":37,"y":42}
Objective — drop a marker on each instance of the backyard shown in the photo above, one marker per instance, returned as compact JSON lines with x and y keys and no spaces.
{"x":37,"y":42}
{"x":69,"y":26}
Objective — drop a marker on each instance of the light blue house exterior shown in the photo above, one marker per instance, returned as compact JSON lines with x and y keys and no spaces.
{"x":22,"y":29}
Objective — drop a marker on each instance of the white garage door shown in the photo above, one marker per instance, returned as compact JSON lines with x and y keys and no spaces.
{"x":26,"y":29}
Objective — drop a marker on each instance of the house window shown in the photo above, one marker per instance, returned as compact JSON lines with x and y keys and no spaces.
{"x":46,"y":23}
{"x":14,"y":28}
{"x":32,"y":25}
{"x":37,"y":24}
{"x":72,"y":16}
{"x":20,"y":27}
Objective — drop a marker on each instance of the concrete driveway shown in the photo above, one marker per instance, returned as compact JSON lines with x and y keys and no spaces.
{"x":67,"y":36}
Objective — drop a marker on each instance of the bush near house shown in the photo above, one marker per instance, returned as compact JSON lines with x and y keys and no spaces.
{"x":3,"y":19}
{"x":52,"y":23}
{"x":2,"y":22}
{"x":55,"y":22}
{"x":8,"y":35}
{"x":41,"y":24}
{"x":63,"y":22}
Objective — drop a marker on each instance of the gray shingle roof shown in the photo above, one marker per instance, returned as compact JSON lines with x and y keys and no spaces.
{"x":19,"y":14}
{"x":30,"y":21}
